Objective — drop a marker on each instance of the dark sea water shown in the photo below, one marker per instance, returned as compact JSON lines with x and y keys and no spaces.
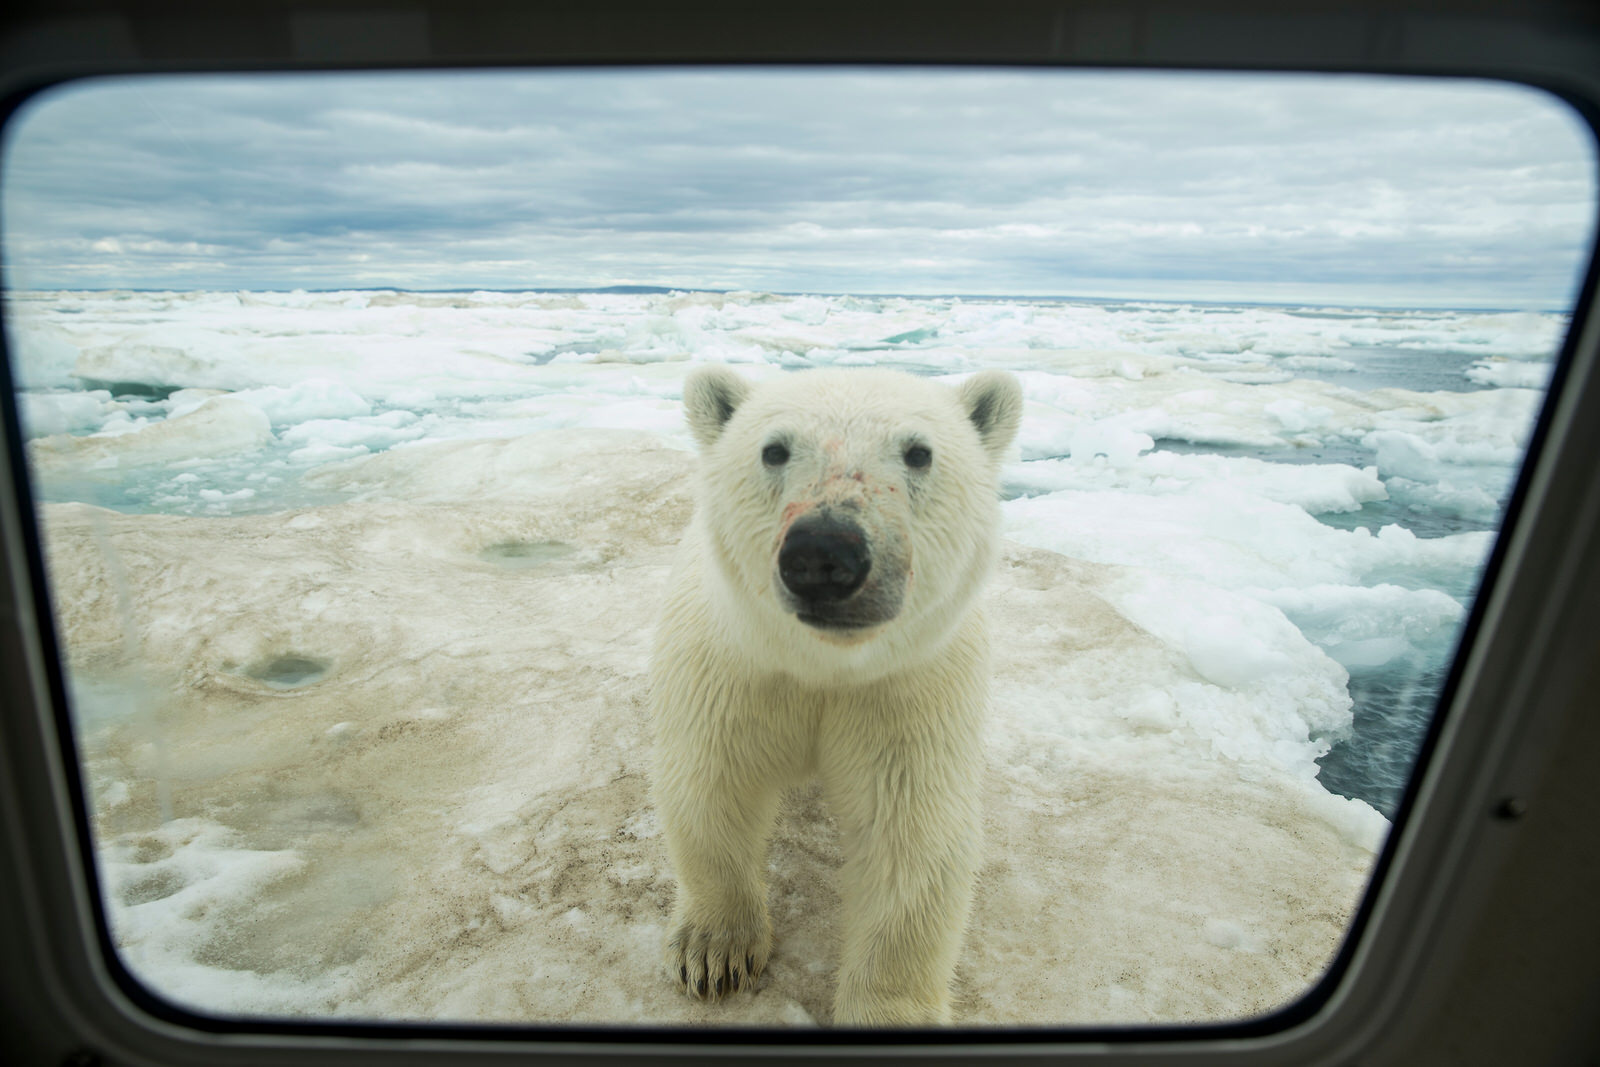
{"x":1395,"y":703}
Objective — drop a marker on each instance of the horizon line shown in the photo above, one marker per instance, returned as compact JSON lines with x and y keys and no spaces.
{"x":652,"y":290}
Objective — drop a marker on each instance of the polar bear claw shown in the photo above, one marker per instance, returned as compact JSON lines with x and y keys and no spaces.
{"x":711,"y":963}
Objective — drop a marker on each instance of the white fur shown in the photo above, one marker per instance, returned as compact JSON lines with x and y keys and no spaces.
{"x":748,"y":700}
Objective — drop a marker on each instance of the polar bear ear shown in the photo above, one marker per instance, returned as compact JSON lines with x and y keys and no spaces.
{"x":993,"y":401}
{"x":710,"y":397}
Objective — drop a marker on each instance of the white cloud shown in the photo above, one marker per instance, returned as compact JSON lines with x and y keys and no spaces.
{"x":828,"y":179}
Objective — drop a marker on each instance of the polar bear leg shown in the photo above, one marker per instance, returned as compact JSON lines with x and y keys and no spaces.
{"x":717,"y":829}
{"x":908,"y":805}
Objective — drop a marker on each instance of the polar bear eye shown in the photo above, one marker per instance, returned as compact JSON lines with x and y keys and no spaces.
{"x":918,"y":457}
{"x":774,"y":455}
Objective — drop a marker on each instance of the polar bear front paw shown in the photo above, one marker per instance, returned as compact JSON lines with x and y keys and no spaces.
{"x":708,"y":963}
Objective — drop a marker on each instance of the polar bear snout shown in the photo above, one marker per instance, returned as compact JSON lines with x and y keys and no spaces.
{"x":826,"y":575}
{"x":824,"y":559}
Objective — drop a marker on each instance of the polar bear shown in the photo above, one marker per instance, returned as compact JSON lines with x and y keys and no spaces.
{"x":822,"y":621}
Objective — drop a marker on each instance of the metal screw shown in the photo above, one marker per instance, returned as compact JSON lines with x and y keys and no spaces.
{"x":1511,"y":809}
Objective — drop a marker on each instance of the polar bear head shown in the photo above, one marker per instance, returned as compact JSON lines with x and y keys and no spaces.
{"x":843,"y":506}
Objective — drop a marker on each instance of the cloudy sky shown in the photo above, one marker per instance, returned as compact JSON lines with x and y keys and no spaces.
{"x":1174,"y":186}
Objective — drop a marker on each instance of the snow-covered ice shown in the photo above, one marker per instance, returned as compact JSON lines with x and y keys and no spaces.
{"x":357,"y":588}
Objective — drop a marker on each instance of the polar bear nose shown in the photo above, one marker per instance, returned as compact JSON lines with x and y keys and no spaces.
{"x":823,"y":559}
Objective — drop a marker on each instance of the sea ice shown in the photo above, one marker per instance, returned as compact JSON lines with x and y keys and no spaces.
{"x":219,"y":426}
{"x":1510,"y":374}
{"x":1315,"y":488}
{"x":47,"y":414}
{"x":459,"y":509}
{"x":182,"y":885}
{"x":316,"y":398}
{"x":469,"y":767}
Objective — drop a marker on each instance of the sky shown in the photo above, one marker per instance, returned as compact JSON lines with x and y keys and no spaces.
{"x":1265,"y":188}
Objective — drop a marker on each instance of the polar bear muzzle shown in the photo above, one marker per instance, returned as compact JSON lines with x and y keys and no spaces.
{"x":823,"y":568}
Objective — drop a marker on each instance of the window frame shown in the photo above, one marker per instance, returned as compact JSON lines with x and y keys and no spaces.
{"x":1486,"y":748}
